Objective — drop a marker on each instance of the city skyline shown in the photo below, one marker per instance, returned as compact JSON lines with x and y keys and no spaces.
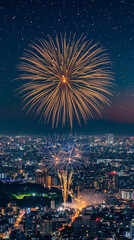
{"x":99,"y":199}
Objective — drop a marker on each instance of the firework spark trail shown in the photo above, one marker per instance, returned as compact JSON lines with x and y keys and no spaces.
{"x":64,"y":78}
{"x":63,"y":158}
{"x":65,"y":180}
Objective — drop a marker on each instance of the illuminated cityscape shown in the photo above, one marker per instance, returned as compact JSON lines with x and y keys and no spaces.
{"x":100,"y":198}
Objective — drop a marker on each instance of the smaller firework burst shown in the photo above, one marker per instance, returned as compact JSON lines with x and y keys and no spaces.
{"x":63,"y":158}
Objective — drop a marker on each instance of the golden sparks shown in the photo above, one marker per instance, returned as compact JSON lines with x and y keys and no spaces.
{"x":65,"y":78}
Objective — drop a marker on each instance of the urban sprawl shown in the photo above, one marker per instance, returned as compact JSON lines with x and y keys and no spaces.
{"x":99,"y":195}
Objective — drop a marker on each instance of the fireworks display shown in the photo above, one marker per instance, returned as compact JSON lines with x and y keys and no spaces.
{"x":65,"y":180}
{"x":63,"y":78}
{"x":64,"y":157}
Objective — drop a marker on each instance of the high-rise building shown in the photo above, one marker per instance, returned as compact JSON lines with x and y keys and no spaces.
{"x":46,"y":226}
{"x":84,"y":224}
{"x":93,"y":228}
{"x":55,"y":181}
{"x":17,"y":234}
{"x":110,"y":139}
{"x":2,"y":175}
{"x":49,"y":181}
{"x":132,"y":229}
{"x":19,"y":163}
{"x":53,"y":204}
{"x":38,"y":179}
{"x":43,"y":178}
{"x":127,"y":194}
{"x":112,"y":180}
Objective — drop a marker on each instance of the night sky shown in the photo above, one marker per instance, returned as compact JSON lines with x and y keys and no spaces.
{"x":109,"y":22}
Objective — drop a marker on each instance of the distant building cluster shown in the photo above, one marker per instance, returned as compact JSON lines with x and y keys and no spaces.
{"x":101,"y":197}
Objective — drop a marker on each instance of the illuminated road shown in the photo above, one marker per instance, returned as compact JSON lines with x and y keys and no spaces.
{"x":82,"y":205}
{"x":19,"y":218}
{"x":16,"y":224}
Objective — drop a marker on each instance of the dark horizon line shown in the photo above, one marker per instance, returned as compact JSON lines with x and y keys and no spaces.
{"x":101,"y":127}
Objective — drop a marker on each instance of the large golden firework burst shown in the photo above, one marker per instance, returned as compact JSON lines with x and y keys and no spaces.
{"x":64,"y":77}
